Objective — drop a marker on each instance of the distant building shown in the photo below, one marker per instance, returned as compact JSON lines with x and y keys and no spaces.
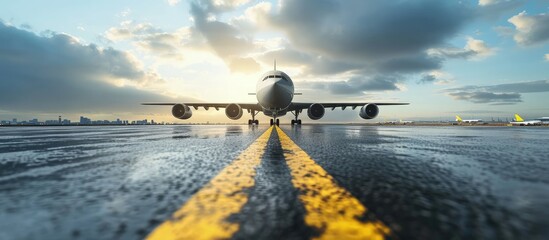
{"x":85,"y":120}
{"x":14,"y":121}
{"x":141,"y":122}
{"x":51,"y":122}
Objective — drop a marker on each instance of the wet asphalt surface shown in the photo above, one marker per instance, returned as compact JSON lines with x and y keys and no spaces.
{"x":423,"y":182}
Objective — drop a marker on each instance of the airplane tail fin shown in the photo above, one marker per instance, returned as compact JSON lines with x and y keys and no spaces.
{"x":458,"y":119}
{"x":518,"y":118}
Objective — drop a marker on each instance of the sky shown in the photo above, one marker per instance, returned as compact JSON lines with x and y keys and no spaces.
{"x":100,"y":59}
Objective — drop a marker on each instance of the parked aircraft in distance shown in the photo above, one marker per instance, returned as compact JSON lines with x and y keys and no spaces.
{"x":398,"y":122}
{"x":519,"y":121}
{"x":460,"y":120}
{"x":274,"y":93}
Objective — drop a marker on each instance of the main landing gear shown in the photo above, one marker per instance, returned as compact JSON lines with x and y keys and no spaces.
{"x":296,"y":121}
{"x":253,"y":120}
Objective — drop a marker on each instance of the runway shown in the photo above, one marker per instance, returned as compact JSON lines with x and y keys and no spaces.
{"x":305,"y":182}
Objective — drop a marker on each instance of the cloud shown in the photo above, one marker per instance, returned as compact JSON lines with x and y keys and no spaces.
{"x":427,"y":78}
{"x":56,"y":72}
{"x":366,"y":30}
{"x":519,"y":87}
{"x":244,"y":65}
{"x":487,"y":2}
{"x":474,"y":49}
{"x":358,"y":85}
{"x":496,"y":8}
{"x":363,"y":39}
{"x":507,"y":93}
{"x":436,"y":77}
{"x":547,"y":57}
{"x":224,"y":39}
{"x":530,"y":30}
{"x":173,"y":2}
{"x":488,"y":97}
{"x":151,"y":39}
{"x":309,"y":64}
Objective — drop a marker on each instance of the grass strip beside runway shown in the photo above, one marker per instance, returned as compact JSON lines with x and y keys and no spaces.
{"x":205,"y":214}
{"x":330,"y":208}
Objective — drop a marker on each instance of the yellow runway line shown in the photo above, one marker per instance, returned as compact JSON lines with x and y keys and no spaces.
{"x":205,"y":214}
{"x":329,"y":207}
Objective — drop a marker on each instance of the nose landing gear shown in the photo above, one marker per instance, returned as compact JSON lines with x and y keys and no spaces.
{"x":275,"y":121}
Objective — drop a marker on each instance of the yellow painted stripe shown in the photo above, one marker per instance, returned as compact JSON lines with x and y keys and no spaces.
{"x":205,"y":214}
{"x":330,"y":208}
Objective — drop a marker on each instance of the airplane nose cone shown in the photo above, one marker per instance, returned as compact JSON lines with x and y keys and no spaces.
{"x":278,"y":94}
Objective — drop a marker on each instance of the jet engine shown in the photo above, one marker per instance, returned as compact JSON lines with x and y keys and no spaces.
{"x":369,"y":111}
{"x":233,"y":111}
{"x":181,"y":111}
{"x":315,"y":111}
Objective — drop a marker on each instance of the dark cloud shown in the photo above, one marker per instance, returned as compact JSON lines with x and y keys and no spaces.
{"x":366,"y":30}
{"x":509,"y":93}
{"x":488,"y":97}
{"x":427,"y":78}
{"x":520,"y":87}
{"x":311,"y":65}
{"x":56,"y":73}
{"x":365,"y":38}
{"x":411,"y":64}
{"x":358,"y":85}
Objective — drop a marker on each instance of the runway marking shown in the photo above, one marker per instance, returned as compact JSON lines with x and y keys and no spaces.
{"x":205,"y":214}
{"x":330,"y":208}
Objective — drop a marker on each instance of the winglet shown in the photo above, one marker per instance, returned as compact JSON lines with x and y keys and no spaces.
{"x":518,"y":118}
{"x":458,"y":119}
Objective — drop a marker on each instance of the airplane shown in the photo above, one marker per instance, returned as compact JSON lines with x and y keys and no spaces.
{"x":459,"y":120}
{"x":274,"y":93}
{"x":519,"y":121}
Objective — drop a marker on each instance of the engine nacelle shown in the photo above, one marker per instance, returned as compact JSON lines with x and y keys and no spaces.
{"x":369,"y":111}
{"x":315,"y":111}
{"x":233,"y":111}
{"x":181,"y":111}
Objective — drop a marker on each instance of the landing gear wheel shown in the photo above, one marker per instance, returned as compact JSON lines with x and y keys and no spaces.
{"x":271,"y":122}
{"x":293,"y":122}
{"x":278,"y":122}
{"x":299,"y":122}
{"x":249,"y":122}
{"x":256,"y":122}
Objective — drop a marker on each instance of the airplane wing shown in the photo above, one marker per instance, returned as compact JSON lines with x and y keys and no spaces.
{"x":207,"y":106}
{"x":299,"y":105}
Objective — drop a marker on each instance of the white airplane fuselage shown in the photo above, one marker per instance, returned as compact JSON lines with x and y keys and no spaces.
{"x":275,"y":92}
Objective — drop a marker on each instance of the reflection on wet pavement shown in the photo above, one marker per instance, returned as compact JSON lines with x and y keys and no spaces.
{"x":419,"y":182}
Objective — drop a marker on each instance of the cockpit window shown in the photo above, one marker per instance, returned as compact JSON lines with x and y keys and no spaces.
{"x":275,"y":76}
